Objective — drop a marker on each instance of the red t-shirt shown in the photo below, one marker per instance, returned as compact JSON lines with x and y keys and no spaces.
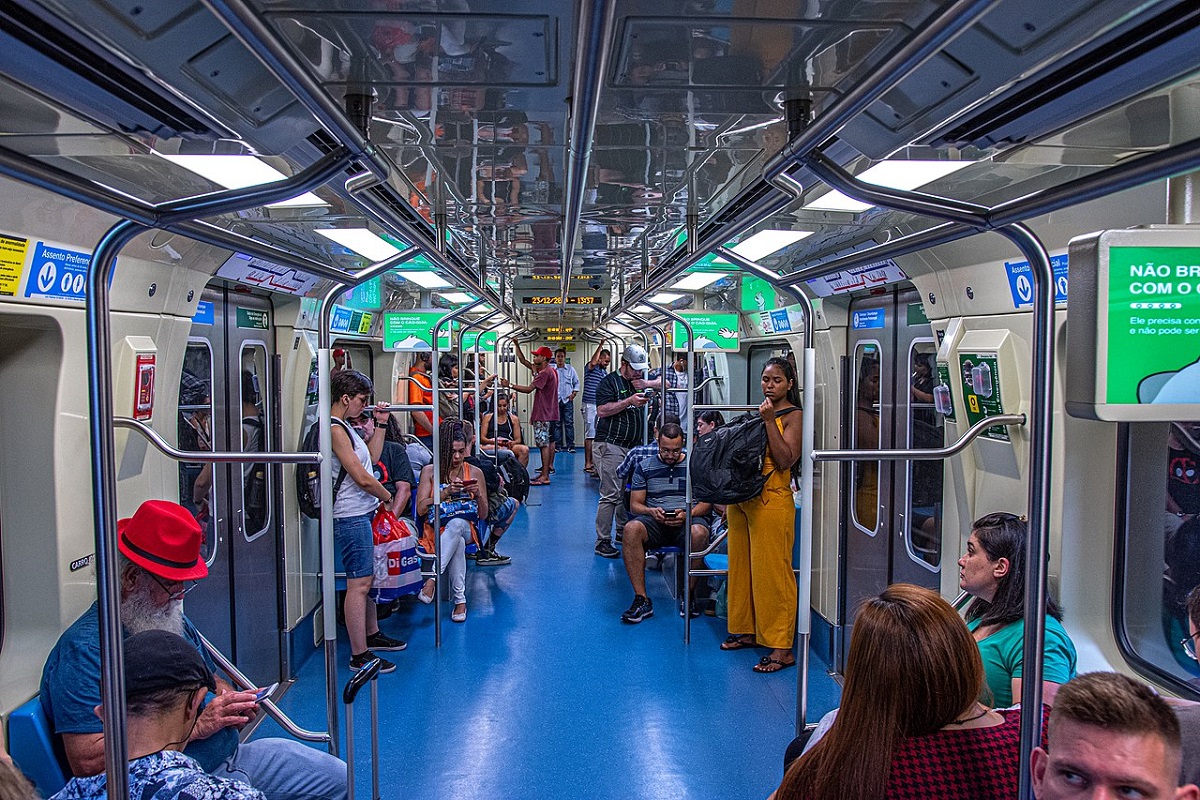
{"x":972,"y":764}
{"x":545,"y":396}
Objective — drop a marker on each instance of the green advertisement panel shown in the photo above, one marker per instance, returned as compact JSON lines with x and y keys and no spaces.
{"x":408,"y":331}
{"x":943,"y":389}
{"x":1153,"y":342}
{"x":487,"y":344}
{"x":757,"y":294}
{"x":713,"y":331}
{"x":981,"y":391}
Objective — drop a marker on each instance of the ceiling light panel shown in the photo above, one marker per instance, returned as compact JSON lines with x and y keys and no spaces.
{"x":695,"y":281}
{"x":764,"y":243}
{"x":362,"y":241}
{"x":239,"y":172}
{"x":902,"y":175}
{"x":461,"y":298}
{"x":665,"y":297}
{"x":425,"y":279}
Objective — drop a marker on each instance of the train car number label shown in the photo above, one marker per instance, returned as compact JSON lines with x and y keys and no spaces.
{"x":981,"y":391}
{"x":12,"y":264}
{"x":1021,"y":284}
{"x":58,"y":274}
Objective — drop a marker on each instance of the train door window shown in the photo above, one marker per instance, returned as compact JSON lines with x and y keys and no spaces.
{"x":194,"y":432}
{"x":865,"y":474}
{"x":354,"y":355}
{"x":925,"y":430}
{"x":1159,"y":554}
{"x":256,"y":478}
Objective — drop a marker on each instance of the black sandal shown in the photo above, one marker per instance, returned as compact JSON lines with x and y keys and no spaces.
{"x":768,"y":665}
{"x":736,"y":642}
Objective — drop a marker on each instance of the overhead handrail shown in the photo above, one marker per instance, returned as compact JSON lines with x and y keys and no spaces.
{"x":244,"y":683}
{"x":215,"y":456}
{"x":931,"y":454}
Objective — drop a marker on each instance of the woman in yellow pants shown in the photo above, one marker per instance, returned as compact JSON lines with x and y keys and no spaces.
{"x":762,"y":586}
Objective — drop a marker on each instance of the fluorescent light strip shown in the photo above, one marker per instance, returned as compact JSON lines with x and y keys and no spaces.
{"x":665,"y":297}
{"x":361,"y":241}
{"x":239,"y":172}
{"x":695,"y":281}
{"x":764,"y":243}
{"x":424,"y":278}
{"x":461,"y":298}
{"x":903,"y":175}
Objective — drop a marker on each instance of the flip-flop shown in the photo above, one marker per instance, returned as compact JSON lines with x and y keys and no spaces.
{"x":735,"y":642}
{"x":539,"y":483}
{"x":768,"y":665}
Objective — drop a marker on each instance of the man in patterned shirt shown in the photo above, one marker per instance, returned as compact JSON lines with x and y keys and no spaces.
{"x":166,"y":682}
{"x":1110,"y":736}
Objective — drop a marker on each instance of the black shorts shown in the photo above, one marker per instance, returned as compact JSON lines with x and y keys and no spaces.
{"x":659,"y":535}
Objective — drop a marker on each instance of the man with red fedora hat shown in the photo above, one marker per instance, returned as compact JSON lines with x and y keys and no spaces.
{"x":545,"y":405}
{"x":159,"y":556}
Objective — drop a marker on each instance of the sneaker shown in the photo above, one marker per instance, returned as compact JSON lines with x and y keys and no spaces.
{"x":473,"y":555}
{"x":692,"y":612}
{"x":619,"y":537}
{"x":490,"y":558}
{"x":640,"y":610}
{"x":359,"y":661}
{"x":570,"y":449}
{"x":552,"y":470}
{"x":653,"y":561}
{"x":604,"y":548}
{"x":380,"y":641}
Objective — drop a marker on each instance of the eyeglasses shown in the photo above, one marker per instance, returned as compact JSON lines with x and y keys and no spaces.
{"x":176,"y":595}
{"x":1189,"y":645}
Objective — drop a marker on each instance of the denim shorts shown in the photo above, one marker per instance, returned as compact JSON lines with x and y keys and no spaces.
{"x":500,"y":515}
{"x":353,"y":535}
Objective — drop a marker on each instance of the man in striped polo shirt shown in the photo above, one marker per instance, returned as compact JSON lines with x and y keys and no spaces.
{"x":593,"y":372}
{"x":658,"y":499}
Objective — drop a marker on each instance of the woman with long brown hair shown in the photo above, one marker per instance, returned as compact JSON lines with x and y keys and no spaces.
{"x":911,"y":724}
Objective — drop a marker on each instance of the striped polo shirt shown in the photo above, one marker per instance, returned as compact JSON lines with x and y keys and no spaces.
{"x":664,"y":484}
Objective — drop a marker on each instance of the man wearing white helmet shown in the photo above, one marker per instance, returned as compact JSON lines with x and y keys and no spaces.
{"x":619,"y":427}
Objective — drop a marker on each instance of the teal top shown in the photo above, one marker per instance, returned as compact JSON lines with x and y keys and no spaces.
{"x":1004,"y":650}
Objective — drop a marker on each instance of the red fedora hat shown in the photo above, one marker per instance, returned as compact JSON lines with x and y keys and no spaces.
{"x":163,"y":538}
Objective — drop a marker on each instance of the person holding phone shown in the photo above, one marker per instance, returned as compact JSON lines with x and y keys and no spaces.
{"x":657,"y":500}
{"x":503,"y":430}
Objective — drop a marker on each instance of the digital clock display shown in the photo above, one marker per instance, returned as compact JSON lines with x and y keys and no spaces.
{"x":554,"y":300}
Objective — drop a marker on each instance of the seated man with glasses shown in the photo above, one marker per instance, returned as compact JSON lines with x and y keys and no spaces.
{"x":159,"y":562}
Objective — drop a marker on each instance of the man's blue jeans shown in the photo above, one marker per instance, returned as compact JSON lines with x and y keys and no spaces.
{"x":284,"y":769}
{"x":563,"y":431}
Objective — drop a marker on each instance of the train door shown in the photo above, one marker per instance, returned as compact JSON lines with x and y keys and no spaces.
{"x":239,"y":606}
{"x":891,"y":511}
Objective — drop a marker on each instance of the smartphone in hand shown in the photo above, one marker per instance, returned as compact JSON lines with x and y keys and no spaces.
{"x":265,"y":692}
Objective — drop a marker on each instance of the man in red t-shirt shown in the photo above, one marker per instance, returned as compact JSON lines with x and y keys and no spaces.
{"x":545,"y":405}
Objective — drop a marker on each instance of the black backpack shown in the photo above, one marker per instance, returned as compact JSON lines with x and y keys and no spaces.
{"x":516,"y":477}
{"x":727,"y":463}
{"x":308,"y":476}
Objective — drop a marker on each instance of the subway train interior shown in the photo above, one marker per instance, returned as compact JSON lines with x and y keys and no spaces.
{"x":937,"y":212}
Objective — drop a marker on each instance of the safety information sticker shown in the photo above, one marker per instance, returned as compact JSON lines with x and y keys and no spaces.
{"x":57,"y":273}
{"x":12,"y":264}
{"x":1021,"y":285}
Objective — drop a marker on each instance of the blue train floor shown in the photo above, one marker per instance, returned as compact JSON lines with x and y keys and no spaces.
{"x":544,"y":692}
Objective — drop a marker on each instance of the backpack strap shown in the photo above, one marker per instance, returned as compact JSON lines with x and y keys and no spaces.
{"x":338,"y":483}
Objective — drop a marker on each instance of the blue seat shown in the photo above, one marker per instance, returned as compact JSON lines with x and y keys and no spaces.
{"x":717,"y":561}
{"x":35,"y":748}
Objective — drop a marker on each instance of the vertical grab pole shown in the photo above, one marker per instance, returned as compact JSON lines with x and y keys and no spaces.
{"x":325,"y":523}
{"x":808,"y":403}
{"x":104,"y":503}
{"x":687,"y":467}
{"x":662,"y":335}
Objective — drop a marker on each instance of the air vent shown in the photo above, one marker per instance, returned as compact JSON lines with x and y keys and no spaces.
{"x":44,"y":53}
{"x":1139,"y":56}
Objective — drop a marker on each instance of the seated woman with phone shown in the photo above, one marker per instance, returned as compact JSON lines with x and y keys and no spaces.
{"x":503,"y":430}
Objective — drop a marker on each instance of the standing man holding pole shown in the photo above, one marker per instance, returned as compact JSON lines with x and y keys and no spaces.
{"x":593,"y":373}
{"x":619,"y":406}
{"x":544,"y":387}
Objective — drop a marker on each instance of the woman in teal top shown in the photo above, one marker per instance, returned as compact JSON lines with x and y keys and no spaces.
{"x":993,"y":571}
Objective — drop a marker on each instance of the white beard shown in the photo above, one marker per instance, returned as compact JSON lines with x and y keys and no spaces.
{"x":139,"y":613}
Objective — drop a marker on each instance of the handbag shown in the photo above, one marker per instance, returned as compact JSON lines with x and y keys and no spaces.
{"x":397,"y":568}
{"x":459,"y":507}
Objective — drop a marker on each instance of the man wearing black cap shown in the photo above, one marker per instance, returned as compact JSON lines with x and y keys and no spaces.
{"x":166,"y":682}
{"x":159,"y":557}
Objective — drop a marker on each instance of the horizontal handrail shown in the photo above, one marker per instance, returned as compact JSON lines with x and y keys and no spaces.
{"x":244,"y":683}
{"x":218,"y":456}
{"x":723,"y":407}
{"x":707,"y":381}
{"x":933,"y":454}
{"x":711,"y":545}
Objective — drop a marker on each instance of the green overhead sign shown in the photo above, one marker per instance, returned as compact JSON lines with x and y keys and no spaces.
{"x":757,"y":294}
{"x":487,"y":343}
{"x":408,"y":331}
{"x":713,"y":331}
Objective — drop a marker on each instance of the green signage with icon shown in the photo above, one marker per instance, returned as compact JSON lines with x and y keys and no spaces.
{"x":757,"y":294}
{"x":409,"y":331}
{"x":487,"y":342}
{"x":714,"y":331}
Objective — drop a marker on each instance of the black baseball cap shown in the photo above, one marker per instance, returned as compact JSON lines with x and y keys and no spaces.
{"x":157,"y":660}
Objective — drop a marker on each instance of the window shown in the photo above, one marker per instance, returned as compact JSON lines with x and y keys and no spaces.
{"x":866,"y":435}
{"x":194,"y":432}
{"x":1158,"y":554}
{"x":925,"y":430}
{"x":256,"y":478}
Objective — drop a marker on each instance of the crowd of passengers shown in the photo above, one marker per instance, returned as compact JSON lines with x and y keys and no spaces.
{"x":929,"y":706}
